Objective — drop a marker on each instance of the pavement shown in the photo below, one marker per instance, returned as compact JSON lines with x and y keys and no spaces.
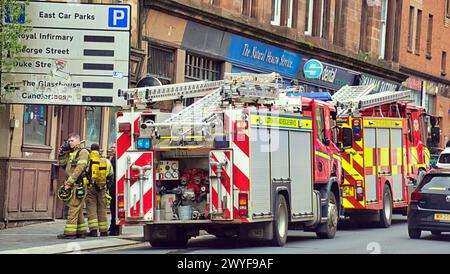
{"x":41,"y":239}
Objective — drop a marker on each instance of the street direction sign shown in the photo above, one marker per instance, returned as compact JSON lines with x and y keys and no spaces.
{"x":76,"y":54}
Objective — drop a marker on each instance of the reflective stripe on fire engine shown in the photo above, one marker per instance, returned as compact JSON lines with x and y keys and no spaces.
{"x":369,"y":160}
{"x":322,"y":155}
{"x":293,"y":123}
{"x":397,"y":161}
{"x":383,"y":123}
{"x":336,"y":157}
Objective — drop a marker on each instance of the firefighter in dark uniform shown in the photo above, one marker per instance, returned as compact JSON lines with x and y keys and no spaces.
{"x":114,"y":229}
{"x":75,"y":160}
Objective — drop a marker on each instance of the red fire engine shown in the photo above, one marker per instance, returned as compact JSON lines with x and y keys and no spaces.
{"x":244,"y":160}
{"x":386,"y":155}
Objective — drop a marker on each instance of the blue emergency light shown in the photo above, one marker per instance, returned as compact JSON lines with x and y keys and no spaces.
{"x":324,"y":96}
{"x":144,"y":143}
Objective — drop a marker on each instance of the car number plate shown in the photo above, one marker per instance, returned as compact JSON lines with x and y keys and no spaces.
{"x":442,"y":217}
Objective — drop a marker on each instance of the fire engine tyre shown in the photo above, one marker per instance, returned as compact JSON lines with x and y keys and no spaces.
{"x":331,"y":224}
{"x":386,"y":212}
{"x":280,"y":224}
{"x":414,"y":233}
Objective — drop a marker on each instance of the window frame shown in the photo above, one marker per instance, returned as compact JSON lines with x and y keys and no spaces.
{"x":444,"y":63}
{"x":247,"y":8}
{"x":276,"y":13}
{"x":418,"y":31}
{"x":411,"y":28}
{"x":170,"y":52}
{"x":48,"y":121}
{"x":310,"y":14}
{"x":383,"y":29}
{"x":429,"y":35}
{"x":290,"y":13}
{"x":320,"y":123}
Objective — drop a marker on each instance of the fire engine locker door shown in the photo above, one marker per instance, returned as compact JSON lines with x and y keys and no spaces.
{"x":300,"y":165}
{"x":397,"y":163}
{"x":383,"y":156}
{"x":138,"y":188}
{"x":221,"y":184}
{"x":371,"y":180}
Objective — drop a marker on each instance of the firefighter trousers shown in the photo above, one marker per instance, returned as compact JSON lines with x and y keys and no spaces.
{"x":96,"y":209}
{"x":75,"y":219}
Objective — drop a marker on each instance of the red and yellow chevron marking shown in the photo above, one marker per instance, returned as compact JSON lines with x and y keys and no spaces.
{"x":353,"y":166}
{"x":397,"y":161}
{"x":241,"y":165}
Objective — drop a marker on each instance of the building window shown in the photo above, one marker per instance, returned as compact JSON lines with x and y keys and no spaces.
{"x":160,"y":63}
{"x":410,"y":28}
{"x":383,"y":21}
{"x":247,"y":8}
{"x":201,"y":68}
{"x":290,"y":13}
{"x":448,"y":8}
{"x":93,"y":125}
{"x":112,"y":125}
{"x":429,"y":35}
{"x":309,"y":17}
{"x":444,"y":63}
{"x":325,"y":19}
{"x":418,"y":31}
{"x":339,"y":18}
{"x":276,"y":12}
{"x":214,"y":2}
{"x":35,"y":124}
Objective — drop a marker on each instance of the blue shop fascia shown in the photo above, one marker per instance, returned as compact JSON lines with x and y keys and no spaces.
{"x":249,"y":55}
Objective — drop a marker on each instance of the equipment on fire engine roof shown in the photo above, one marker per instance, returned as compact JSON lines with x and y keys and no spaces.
{"x":349,"y":99}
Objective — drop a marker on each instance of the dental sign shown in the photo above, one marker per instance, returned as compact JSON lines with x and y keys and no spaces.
{"x":75,"y":54}
{"x":313,"y":69}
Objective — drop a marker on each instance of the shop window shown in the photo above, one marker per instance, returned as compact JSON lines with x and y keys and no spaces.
{"x":35,"y":125}
{"x":93,"y":125}
{"x":429,"y":35}
{"x":418,"y":31}
{"x":161,"y":63}
{"x":383,"y":27}
{"x":112,"y":125}
{"x":201,"y":68}
{"x":276,"y":12}
{"x":410,"y":28}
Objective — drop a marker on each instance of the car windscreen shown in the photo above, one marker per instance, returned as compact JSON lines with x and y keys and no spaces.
{"x":435,"y":182}
{"x":444,"y":158}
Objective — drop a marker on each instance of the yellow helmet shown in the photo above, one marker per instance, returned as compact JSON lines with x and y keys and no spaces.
{"x":63,"y":194}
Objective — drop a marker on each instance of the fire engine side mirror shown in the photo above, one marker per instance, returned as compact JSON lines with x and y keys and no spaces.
{"x":347,"y":137}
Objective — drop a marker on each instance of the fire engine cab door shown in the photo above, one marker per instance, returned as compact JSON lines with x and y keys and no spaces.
{"x":221,"y":185}
{"x":138,"y":186}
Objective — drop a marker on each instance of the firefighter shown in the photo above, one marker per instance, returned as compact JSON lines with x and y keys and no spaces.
{"x":114,"y":229}
{"x":74,"y":159}
{"x":99,"y":172}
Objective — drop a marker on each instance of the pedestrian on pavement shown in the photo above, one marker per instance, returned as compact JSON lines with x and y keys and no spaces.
{"x":75,"y":160}
{"x":99,"y":171}
{"x":114,"y":229}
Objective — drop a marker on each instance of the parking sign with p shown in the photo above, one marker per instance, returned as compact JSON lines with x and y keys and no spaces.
{"x":118,"y":17}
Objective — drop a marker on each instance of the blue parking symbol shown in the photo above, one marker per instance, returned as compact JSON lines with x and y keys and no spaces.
{"x":118,"y":17}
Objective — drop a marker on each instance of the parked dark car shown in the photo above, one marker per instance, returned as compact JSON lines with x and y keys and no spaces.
{"x":429,"y":208}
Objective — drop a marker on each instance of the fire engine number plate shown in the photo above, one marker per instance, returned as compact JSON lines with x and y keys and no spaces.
{"x":348,"y":191}
{"x":442,"y":217}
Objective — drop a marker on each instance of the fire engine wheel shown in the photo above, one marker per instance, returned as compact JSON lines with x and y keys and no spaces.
{"x":331,"y":224}
{"x":280,"y":224}
{"x":386,"y":212}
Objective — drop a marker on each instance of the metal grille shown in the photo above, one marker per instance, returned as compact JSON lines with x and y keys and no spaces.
{"x":160,"y":63}
{"x":201,"y":68}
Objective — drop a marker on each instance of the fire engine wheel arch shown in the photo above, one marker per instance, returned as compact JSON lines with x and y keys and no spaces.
{"x":386,"y":212}
{"x":329,"y":193}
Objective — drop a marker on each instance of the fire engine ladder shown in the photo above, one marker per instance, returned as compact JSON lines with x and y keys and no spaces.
{"x":236,"y":87}
{"x":145,"y":95}
{"x":354,"y":98}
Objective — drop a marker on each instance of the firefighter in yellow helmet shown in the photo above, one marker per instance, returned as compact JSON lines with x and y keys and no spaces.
{"x":75,"y":160}
{"x":99,"y":173}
